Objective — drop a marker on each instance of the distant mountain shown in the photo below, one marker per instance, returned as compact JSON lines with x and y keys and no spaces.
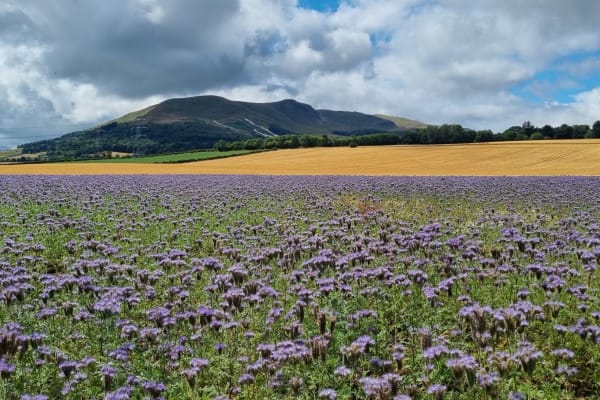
{"x":403,"y":123}
{"x":199,"y":122}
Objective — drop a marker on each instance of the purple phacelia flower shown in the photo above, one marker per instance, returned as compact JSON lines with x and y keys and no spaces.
{"x":6,"y":369}
{"x":376,"y":387}
{"x":435,"y":352}
{"x":67,"y":367}
{"x":565,"y":354}
{"x":487,"y":379}
{"x":528,"y":357}
{"x":122,"y":393}
{"x":199,"y":363}
{"x":46,"y":312}
{"x":437,"y":390}
{"x":327,"y":394}
{"x":108,"y":306}
{"x":246,"y":379}
{"x":566,"y":370}
{"x":342,"y":371}
{"x":357,"y":348}
{"x":154,"y":388}
{"x":516,"y":396}
{"x":462,"y":364}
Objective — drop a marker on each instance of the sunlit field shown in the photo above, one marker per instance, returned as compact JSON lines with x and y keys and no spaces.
{"x":250,"y":287}
{"x":570,"y":157}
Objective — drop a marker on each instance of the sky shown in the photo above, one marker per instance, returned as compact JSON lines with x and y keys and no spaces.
{"x":488,"y":64}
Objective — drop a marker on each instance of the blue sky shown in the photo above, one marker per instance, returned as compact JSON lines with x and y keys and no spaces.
{"x":562,"y":79}
{"x":486,"y":64}
{"x":323,"y":6}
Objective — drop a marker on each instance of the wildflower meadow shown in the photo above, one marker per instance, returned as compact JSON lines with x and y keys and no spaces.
{"x":248,"y":287}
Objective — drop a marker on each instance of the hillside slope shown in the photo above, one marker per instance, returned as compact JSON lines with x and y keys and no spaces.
{"x":191,"y":123}
{"x":403,"y":123}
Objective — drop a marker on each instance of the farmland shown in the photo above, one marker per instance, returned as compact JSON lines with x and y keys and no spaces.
{"x":246,"y":287}
{"x":568,"y":157}
{"x":172,"y":158}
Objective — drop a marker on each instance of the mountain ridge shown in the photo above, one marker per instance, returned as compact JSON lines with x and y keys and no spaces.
{"x":191,"y":123}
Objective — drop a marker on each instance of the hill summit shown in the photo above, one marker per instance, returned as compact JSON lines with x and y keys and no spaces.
{"x":183,"y":124}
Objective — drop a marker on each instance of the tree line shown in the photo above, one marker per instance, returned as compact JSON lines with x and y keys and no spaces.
{"x":529,"y":132}
{"x":442,"y":134}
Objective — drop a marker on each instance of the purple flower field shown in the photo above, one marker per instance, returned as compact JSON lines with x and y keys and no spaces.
{"x":246,"y":287}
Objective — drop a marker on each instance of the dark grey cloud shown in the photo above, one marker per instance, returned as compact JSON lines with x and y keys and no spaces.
{"x":265,"y":43}
{"x":16,"y":27}
{"x":32,"y":121}
{"x":136,"y":49}
{"x":139,"y":48}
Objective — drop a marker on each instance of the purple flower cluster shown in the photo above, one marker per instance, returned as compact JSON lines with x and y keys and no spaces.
{"x":310,"y":287}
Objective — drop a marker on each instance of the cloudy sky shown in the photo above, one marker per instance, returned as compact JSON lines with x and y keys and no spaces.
{"x":70,"y":64}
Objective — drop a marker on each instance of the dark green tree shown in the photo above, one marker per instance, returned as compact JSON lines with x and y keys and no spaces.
{"x":563,"y":132}
{"x":484,"y":136}
{"x":537,"y":135}
{"x":596,"y":130}
{"x":579,"y":131}
{"x":547,"y":131}
{"x":511,"y":133}
{"x":222,"y":145}
{"x":527,"y":129}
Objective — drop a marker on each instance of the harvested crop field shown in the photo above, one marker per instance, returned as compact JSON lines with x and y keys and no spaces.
{"x":568,"y":157}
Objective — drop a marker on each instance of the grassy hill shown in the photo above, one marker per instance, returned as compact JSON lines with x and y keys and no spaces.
{"x":286,"y":116}
{"x":403,"y":123}
{"x":192,"y":123}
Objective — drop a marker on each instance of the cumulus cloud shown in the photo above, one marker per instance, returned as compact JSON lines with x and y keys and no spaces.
{"x":73,"y":64}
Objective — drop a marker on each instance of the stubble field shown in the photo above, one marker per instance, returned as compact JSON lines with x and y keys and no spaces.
{"x":569,"y":157}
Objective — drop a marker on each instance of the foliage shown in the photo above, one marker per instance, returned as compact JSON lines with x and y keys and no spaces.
{"x":297,"y":141}
{"x":564,"y":131}
{"x":174,"y":158}
{"x":299,"y":287}
{"x":442,"y":134}
{"x":130,"y":138}
{"x":595,"y":133}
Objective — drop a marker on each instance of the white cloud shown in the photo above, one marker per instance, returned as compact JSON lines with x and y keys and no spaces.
{"x":348,"y":48}
{"x":33,"y":106}
{"x":299,"y":59}
{"x":152,"y":10}
{"x":585,"y":108}
{"x":438,"y":61}
{"x":74,"y":102}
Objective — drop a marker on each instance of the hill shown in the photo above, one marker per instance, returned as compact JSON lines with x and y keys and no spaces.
{"x":403,"y":123}
{"x":184,"y":124}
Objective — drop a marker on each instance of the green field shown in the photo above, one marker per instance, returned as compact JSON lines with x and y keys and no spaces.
{"x":4,"y":154}
{"x":173,"y":158}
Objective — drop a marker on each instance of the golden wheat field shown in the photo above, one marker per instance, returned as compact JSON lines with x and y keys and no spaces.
{"x":554,"y":157}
